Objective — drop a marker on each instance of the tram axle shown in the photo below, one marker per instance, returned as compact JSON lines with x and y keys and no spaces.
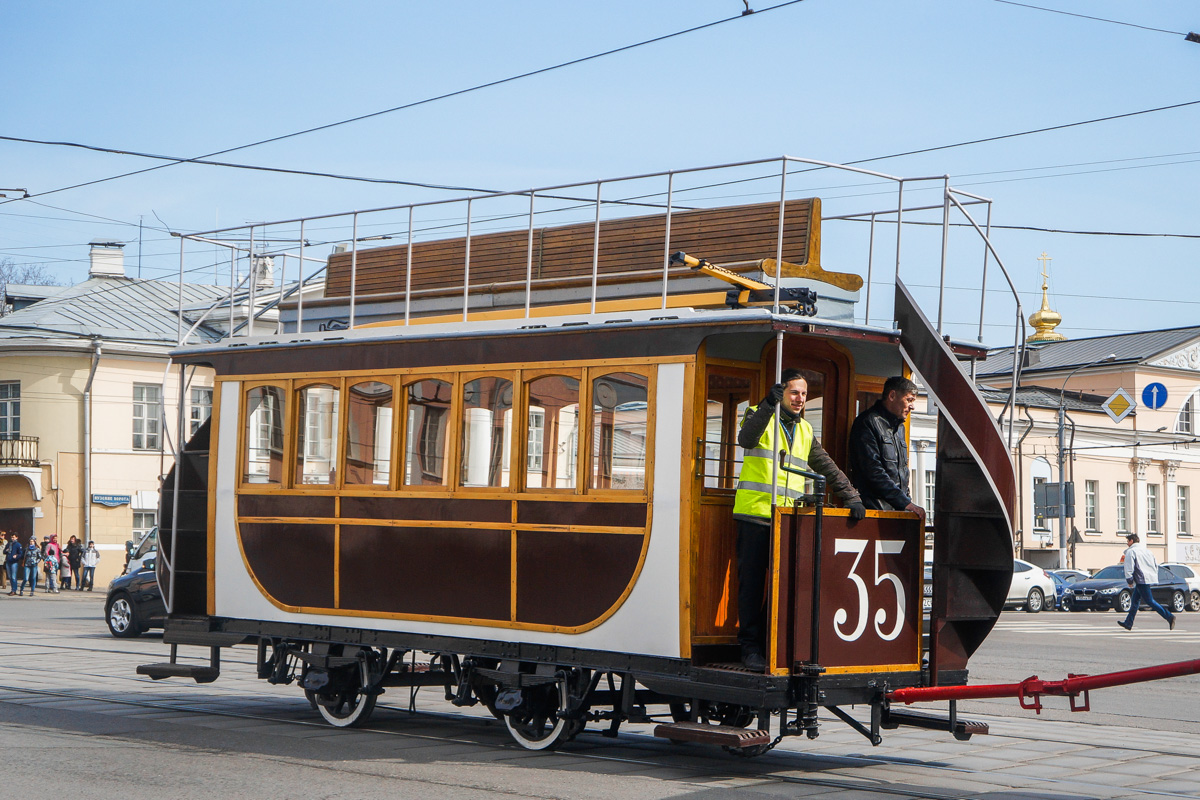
{"x":1030,"y":691}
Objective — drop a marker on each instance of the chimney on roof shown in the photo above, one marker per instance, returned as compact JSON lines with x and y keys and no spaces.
{"x":108,"y":261}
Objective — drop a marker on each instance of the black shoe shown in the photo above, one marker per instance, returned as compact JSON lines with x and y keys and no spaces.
{"x":1123,"y":625}
{"x":1171,"y":622}
{"x":754,"y":660}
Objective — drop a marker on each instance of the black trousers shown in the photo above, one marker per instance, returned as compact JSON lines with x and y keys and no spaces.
{"x":753,"y":555}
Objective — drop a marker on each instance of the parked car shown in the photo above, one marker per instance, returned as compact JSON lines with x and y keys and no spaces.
{"x":134,"y":603}
{"x":1108,"y":589}
{"x":1062,"y":591}
{"x":1071,"y":575}
{"x":1190,"y":575}
{"x":1030,"y":587}
{"x":145,"y":549}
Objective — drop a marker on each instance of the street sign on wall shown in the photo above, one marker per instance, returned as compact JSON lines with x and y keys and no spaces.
{"x":111,"y":500}
{"x":1154,"y":396}
{"x":1119,"y":405}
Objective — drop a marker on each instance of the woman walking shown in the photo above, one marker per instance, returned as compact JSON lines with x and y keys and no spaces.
{"x":91,"y":557}
{"x":33,"y":563}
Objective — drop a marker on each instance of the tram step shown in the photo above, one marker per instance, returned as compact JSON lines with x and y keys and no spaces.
{"x":725,"y":736}
{"x":198,"y":672}
{"x":963,"y":729}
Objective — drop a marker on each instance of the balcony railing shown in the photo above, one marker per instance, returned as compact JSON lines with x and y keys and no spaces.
{"x":18,"y":451}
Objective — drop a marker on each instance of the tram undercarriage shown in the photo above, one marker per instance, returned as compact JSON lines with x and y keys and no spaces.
{"x":547,"y":695}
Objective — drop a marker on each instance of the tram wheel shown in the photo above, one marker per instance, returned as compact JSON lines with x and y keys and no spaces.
{"x":535,"y":723}
{"x":346,"y":709}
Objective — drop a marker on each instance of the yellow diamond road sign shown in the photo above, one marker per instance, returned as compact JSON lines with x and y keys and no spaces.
{"x":1119,"y":405}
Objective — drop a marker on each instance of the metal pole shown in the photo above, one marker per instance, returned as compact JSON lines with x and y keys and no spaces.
{"x":596,"y":248}
{"x":408,"y":268}
{"x":253,"y":278}
{"x":467,"y":265}
{"x":232,"y":281}
{"x":667,"y":236}
{"x":945,"y":243}
{"x":353,"y":267}
{"x":1062,"y":483}
{"x":779,"y":253}
{"x":870,"y":265}
{"x":986,"y":253}
{"x":179,"y":322}
{"x":529,"y":257}
{"x":300,"y":284}
{"x":899,"y":227}
{"x":279,"y":305}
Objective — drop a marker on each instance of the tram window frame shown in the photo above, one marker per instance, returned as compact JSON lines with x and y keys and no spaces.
{"x":514,"y":377}
{"x":392,"y":439}
{"x":593,"y":374}
{"x":450,"y":457}
{"x":284,"y":385}
{"x":529,"y":376}
{"x":338,"y":435}
{"x":730,"y":459}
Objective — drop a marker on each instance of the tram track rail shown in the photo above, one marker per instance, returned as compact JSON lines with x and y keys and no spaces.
{"x":718,"y":766}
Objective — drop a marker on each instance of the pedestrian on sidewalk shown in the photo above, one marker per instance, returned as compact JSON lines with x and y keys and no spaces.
{"x":91,"y":557}
{"x":33,"y":565}
{"x":14,"y":554}
{"x":1141,"y":572}
{"x":52,"y":554}
{"x":75,"y":559}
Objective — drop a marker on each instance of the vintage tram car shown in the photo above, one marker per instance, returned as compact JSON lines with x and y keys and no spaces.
{"x":537,"y":496}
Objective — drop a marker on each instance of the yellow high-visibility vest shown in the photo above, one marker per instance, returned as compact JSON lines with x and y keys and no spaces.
{"x":753,"y":499}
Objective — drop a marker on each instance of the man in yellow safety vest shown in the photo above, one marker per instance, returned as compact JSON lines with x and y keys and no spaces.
{"x":752,"y":505}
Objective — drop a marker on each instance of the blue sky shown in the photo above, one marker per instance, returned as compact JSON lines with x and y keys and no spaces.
{"x":835,"y":80}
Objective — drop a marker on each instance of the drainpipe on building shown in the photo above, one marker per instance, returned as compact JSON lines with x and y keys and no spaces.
{"x":87,"y":445}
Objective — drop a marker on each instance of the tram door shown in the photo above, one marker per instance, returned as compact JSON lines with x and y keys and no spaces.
{"x":729,"y":390}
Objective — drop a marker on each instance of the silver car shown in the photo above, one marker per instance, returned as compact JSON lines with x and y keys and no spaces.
{"x":1030,"y":587}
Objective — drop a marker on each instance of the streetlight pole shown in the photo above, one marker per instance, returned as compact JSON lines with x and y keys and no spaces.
{"x":1062,"y":458}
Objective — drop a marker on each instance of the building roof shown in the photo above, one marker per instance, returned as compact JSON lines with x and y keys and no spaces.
{"x":113,"y":308}
{"x":1045,"y":397}
{"x":1129,"y":348}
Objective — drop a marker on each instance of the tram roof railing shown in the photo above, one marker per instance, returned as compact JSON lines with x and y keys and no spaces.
{"x":671,"y":192}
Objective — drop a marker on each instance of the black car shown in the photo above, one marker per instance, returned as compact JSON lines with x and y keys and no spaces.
{"x":134,"y":603}
{"x":1108,"y":589}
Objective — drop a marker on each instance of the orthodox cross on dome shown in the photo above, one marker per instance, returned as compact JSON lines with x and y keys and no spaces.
{"x":1045,"y":320}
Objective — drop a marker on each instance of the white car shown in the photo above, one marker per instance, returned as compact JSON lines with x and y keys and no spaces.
{"x":1031,"y":587}
{"x":1192,"y":576}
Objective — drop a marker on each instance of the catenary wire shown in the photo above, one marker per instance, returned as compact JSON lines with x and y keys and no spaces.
{"x":1086,"y":16}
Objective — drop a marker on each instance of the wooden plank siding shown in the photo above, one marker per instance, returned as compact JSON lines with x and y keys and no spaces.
{"x":633,"y":244}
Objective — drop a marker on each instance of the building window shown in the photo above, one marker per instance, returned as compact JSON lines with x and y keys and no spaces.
{"x":1184,"y":506}
{"x":1187,"y":416}
{"x":10,"y":410}
{"x":1089,"y":504}
{"x":147,"y":416}
{"x":930,"y":491}
{"x":200,"y":407}
{"x":1151,"y":508}
{"x":1122,"y":507}
{"x":143,"y":521}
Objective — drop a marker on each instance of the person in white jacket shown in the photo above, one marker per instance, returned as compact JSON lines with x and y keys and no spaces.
{"x":91,"y":557}
{"x":1141,"y":572}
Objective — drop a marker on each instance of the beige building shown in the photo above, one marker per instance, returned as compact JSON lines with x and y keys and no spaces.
{"x":88,"y":405}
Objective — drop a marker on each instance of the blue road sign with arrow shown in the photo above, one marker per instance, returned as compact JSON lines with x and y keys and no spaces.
{"x":1154,"y":396}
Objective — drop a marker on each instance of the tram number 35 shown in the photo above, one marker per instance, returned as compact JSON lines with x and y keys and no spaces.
{"x":883,"y":547}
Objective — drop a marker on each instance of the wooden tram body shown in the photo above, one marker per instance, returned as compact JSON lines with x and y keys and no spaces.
{"x":542,"y":502}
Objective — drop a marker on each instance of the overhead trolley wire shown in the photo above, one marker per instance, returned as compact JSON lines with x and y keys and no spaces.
{"x":425,"y":101}
{"x":1086,"y":16}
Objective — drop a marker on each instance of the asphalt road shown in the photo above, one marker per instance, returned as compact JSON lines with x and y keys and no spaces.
{"x":75,"y":720}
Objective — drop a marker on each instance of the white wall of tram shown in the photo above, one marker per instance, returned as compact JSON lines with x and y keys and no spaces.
{"x":647,"y":623}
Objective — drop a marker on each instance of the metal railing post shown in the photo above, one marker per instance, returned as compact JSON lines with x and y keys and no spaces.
{"x":983,"y":283}
{"x":353,"y":266}
{"x":596,"y":247}
{"x":529,"y":257}
{"x":945,"y":244}
{"x":408,"y":268}
{"x":253,"y":273}
{"x":667,"y":237}
{"x":467,"y":266}
{"x":870,"y":268}
{"x":300,"y":284}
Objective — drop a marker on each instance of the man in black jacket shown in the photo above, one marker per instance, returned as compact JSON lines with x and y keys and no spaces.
{"x":879,"y":449}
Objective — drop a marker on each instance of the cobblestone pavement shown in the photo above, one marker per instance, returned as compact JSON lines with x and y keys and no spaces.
{"x":70,"y":697}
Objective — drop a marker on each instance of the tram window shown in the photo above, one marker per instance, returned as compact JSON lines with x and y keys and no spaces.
{"x":728,"y":398}
{"x":553,"y":434}
{"x":426,"y":435}
{"x":264,"y":435}
{"x":486,"y":432}
{"x":369,"y":434}
{"x":317,"y":435}
{"x":620,"y":409}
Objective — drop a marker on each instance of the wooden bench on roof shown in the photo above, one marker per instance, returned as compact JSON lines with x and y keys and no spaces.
{"x":631,"y":253}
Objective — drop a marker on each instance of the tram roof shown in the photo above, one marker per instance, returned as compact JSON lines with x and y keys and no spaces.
{"x":655,"y":318}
